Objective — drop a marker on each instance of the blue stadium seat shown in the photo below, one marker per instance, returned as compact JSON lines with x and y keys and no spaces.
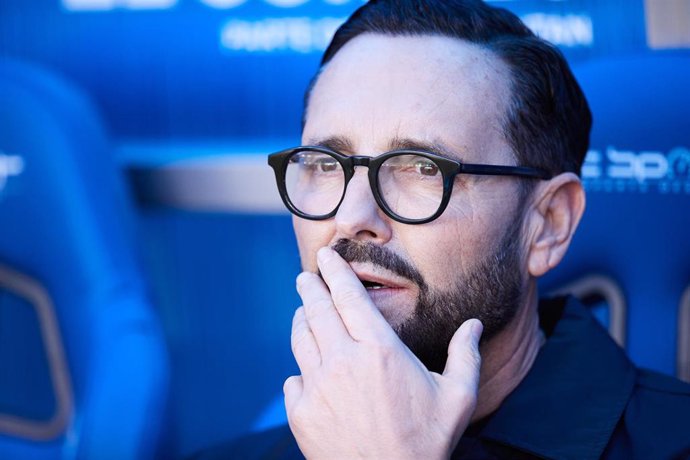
{"x":84,"y":368}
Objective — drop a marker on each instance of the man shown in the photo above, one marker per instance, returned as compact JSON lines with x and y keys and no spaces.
{"x":439,"y":181}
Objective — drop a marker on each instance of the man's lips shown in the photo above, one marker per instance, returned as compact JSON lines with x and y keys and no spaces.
{"x":375,"y":278}
{"x":392,"y":294}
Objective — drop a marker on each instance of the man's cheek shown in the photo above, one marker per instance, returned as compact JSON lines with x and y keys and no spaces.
{"x":307,"y":254}
{"x":308,"y":243}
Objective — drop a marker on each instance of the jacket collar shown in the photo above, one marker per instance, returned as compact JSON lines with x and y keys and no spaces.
{"x":571,"y":400}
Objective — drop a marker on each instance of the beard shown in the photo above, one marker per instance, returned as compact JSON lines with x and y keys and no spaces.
{"x":490,"y":291}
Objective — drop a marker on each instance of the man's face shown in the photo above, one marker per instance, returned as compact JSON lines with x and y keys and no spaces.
{"x":380,"y":93}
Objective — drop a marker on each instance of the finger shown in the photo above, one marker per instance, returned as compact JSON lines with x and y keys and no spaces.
{"x":323,"y":319}
{"x":464,"y":361}
{"x":304,"y":346}
{"x":359,"y":314}
{"x":292,"y":389}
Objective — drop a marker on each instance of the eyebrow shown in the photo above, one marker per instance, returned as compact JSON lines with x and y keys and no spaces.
{"x":344,"y":145}
{"x":404,"y":143}
{"x":338,"y":143}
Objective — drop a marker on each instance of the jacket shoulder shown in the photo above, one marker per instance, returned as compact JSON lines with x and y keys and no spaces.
{"x":656,"y":422}
{"x":663,"y":384}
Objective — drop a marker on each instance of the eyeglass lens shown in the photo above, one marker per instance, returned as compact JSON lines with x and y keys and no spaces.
{"x":410,"y":185}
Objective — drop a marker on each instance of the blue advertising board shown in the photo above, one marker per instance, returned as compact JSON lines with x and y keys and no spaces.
{"x":181,"y":69}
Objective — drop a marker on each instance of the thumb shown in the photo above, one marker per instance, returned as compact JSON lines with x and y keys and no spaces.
{"x":464,"y":360}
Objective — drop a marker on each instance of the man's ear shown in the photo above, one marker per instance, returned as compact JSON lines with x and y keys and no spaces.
{"x":556,"y":211}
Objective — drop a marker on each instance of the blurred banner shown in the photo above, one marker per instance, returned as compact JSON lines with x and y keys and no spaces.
{"x":196,"y":69}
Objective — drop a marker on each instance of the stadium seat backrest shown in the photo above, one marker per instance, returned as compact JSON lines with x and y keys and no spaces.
{"x":84,"y":369}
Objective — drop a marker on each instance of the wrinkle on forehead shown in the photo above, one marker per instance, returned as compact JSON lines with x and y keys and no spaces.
{"x":428,"y":88}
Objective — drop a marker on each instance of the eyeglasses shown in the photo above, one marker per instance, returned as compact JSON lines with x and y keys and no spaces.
{"x":410,"y":186}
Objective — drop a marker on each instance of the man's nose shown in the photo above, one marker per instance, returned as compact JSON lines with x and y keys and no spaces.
{"x":359,"y":216}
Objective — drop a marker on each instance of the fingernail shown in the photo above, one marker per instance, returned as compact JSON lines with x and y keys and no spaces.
{"x":476,"y":330}
{"x":300,"y":279}
{"x":324,"y":254}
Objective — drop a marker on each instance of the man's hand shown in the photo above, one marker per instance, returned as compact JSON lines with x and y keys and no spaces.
{"x":362,"y":392}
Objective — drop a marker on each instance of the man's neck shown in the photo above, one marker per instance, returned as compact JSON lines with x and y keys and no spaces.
{"x":509,"y":356}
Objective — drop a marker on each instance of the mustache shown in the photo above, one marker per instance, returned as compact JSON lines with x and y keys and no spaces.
{"x":354,"y":251}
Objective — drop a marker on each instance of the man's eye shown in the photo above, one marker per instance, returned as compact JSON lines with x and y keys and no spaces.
{"x":325,"y":165}
{"x":316,"y":164}
{"x":426,"y":168}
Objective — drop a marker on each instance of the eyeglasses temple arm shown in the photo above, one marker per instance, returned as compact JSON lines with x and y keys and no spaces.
{"x":496,"y":170}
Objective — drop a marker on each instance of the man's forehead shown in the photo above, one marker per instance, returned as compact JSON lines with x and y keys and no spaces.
{"x":383,"y":92}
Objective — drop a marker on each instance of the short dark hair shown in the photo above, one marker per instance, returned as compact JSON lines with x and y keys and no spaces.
{"x":548,"y":119}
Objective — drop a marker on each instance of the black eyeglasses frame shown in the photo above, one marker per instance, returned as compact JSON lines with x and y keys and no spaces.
{"x":449,"y":169}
